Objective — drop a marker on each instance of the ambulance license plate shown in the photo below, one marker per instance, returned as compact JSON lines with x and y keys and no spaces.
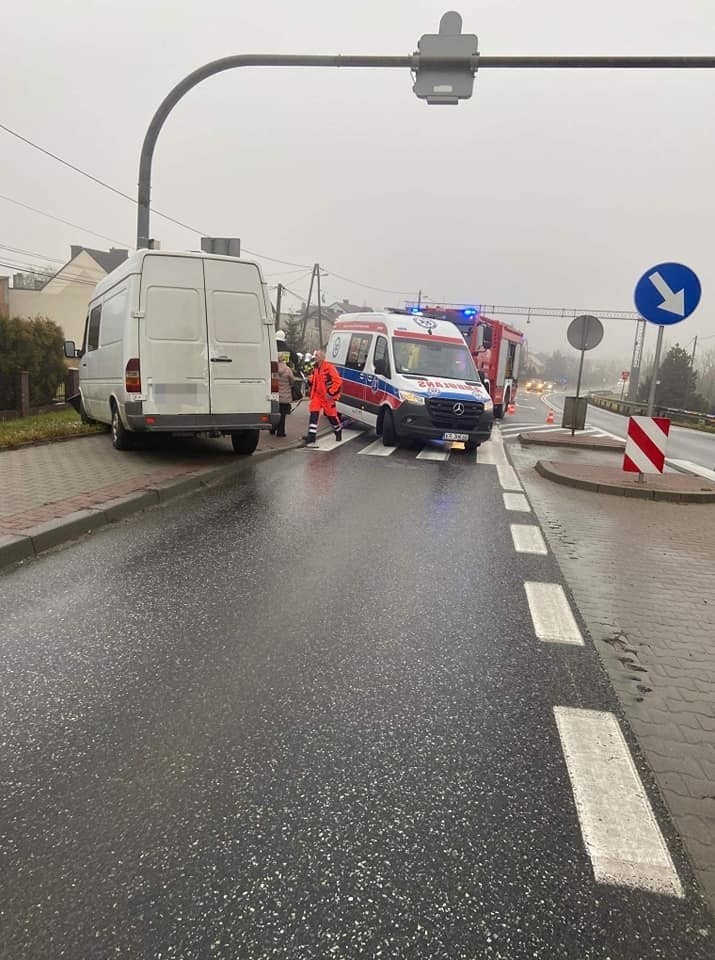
{"x":461,"y":437}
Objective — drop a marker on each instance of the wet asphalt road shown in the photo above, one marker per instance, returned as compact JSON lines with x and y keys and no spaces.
{"x":304,"y":716}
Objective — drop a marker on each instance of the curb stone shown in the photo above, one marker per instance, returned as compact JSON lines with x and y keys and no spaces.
{"x":546,"y":469}
{"x":53,"y":533}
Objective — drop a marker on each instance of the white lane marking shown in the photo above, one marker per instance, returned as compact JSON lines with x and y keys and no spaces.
{"x":508,"y":478}
{"x":528,"y":538}
{"x":551,"y":613}
{"x":689,"y":467}
{"x":516,"y":501}
{"x":328,"y":443}
{"x":432,"y":453}
{"x":377,"y":449}
{"x":619,"y":830}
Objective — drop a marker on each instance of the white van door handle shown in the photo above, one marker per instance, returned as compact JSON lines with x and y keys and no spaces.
{"x":221,"y":360}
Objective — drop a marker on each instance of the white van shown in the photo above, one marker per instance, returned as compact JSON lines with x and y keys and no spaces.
{"x":180,"y":343}
{"x":409,"y":377}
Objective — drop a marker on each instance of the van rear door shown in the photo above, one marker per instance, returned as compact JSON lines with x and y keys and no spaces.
{"x":172,"y":342}
{"x":238,"y":330}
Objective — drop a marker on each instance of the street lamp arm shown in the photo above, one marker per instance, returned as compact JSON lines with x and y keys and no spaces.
{"x":471,"y":63}
{"x":219,"y":66}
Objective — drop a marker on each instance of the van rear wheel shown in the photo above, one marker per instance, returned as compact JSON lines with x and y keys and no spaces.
{"x":122,"y":439}
{"x":245,"y":441}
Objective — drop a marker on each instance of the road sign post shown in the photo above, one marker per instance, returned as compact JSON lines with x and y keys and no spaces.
{"x":584,"y":333}
{"x":665,"y":295}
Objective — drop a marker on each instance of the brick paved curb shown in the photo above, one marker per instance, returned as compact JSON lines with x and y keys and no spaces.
{"x":59,"y":530}
{"x":583,"y":443}
{"x":558,"y":473}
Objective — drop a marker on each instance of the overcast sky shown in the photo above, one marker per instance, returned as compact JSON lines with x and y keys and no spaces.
{"x":547,"y":188}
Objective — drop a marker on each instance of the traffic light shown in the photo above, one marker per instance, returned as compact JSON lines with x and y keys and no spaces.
{"x":437,"y":81}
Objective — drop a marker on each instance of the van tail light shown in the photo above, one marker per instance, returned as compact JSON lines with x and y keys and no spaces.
{"x":274,"y":376}
{"x":132,"y":376}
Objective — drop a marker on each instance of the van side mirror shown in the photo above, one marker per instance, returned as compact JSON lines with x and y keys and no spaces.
{"x":381,"y":368}
{"x":486,"y":337}
{"x":71,"y":351}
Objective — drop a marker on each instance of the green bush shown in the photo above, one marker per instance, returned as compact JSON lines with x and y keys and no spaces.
{"x":35,"y":345}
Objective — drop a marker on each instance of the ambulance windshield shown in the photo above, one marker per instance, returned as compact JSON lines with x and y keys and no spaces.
{"x":450,"y":361}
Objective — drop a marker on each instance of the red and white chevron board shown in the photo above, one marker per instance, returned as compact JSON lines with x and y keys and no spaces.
{"x":645,"y":446}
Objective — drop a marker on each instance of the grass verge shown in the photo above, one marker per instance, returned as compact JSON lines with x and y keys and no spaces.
{"x":43,"y":427}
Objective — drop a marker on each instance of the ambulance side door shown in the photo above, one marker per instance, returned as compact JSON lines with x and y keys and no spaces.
{"x":378,"y":377}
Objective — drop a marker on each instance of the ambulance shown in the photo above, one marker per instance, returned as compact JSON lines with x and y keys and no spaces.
{"x":409,"y":377}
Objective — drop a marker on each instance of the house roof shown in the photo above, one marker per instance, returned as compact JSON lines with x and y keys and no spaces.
{"x":107,"y":260}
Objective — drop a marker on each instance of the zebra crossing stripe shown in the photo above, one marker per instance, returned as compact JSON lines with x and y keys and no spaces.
{"x":377,"y":449}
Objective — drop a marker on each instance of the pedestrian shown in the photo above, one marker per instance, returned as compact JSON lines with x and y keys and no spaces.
{"x":286,"y":379}
{"x":325,"y":387}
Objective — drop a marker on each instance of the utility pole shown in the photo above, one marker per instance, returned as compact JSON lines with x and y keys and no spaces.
{"x":690,"y":372}
{"x":636,"y":361}
{"x":316,"y":268}
{"x":307,"y":310}
{"x":279,"y":297}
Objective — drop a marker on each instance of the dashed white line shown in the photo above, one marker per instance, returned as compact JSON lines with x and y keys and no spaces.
{"x":517,"y":502}
{"x":492,"y":454}
{"x":528,"y":538}
{"x":551,"y":613}
{"x":508,"y":478}
{"x":619,"y":829}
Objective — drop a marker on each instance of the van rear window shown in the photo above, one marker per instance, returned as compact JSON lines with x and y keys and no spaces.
{"x":174,"y":313}
{"x":236,"y":316}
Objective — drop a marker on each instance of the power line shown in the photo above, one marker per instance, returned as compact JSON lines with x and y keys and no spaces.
{"x":67,"y":223}
{"x":367,"y":286}
{"x":165,"y":216}
{"x":28,"y":268}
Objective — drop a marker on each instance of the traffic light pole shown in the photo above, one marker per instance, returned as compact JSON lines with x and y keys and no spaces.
{"x":457,"y":66}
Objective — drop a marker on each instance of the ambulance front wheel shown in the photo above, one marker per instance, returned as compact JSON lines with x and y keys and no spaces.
{"x":389,"y":435}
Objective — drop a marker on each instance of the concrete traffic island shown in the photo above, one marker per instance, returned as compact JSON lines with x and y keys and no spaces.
{"x":674,"y":487}
{"x":583,"y":441}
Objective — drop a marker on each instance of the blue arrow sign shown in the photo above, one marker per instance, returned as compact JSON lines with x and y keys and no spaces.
{"x":667,"y":293}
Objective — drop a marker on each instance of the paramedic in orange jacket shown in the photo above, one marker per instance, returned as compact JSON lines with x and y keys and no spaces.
{"x":326,"y":384}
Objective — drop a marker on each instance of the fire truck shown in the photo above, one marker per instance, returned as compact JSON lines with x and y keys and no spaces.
{"x":495,"y":346}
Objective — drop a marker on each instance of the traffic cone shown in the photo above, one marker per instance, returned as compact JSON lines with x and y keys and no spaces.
{"x":511,"y":409}
{"x":550,"y":416}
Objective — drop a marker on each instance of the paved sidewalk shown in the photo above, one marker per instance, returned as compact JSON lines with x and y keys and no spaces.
{"x":55,"y":491}
{"x":642,"y":577}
